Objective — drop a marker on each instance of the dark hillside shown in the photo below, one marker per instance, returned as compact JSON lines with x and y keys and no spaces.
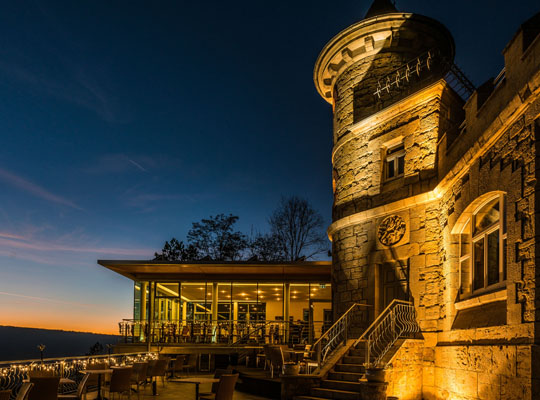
{"x":21,"y":343}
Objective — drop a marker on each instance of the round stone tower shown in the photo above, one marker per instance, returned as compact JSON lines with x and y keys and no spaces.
{"x":384,"y":77}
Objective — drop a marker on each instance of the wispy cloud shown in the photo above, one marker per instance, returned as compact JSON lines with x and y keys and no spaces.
{"x":75,"y":87}
{"x":10,"y":235}
{"x":44,"y":246}
{"x":41,"y":299}
{"x":35,"y":189}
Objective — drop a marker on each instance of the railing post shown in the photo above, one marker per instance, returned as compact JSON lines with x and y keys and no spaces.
{"x":368,"y":355}
{"x":319,"y":346}
{"x":345,"y":329}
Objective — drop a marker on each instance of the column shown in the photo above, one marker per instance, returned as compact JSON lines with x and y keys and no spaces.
{"x":144,"y":288}
{"x":150,"y":317}
{"x":287,"y":310}
{"x":184,"y":312}
{"x":142,"y":314}
{"x":377,"y":297}
{"x":214,"y":311}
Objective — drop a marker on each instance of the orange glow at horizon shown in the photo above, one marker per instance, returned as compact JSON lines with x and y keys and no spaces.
{"x":42,"y":313}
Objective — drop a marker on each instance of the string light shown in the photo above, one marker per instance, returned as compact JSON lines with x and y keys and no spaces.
{"x":18,"y":372}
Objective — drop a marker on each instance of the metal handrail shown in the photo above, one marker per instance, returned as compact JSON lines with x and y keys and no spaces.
{"x":398,"y":320}
{"x":231,"y":332}
{"x":337,"y":334}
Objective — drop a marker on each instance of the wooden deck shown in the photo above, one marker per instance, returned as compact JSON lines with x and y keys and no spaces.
{"x":179,"y":391}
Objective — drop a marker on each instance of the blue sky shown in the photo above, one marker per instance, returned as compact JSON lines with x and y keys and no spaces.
{"x":123,"y":122}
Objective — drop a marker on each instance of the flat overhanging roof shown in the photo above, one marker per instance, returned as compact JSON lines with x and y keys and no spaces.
{"x":241,"y":271}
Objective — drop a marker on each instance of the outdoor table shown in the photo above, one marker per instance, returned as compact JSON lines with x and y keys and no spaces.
{"x":99,"y":373}
{"x":196,"y":381}
{"x":63,"y":381}
{"x":295,"y":354}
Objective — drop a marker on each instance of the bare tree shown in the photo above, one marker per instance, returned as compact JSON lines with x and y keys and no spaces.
{"x":266,"y":247}
{"x":298,"y":228}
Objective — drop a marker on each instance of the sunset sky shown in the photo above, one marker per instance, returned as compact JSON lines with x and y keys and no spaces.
{"x":124,"y":121}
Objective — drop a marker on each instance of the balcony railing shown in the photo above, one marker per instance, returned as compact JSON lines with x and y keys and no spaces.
{"x":229,"y":332}
{"x":13,"y":373}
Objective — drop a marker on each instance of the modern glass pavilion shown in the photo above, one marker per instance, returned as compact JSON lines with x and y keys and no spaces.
{"x":226,"y":302}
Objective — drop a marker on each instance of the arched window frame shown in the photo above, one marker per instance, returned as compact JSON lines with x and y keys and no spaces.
{"x":470,"y":245}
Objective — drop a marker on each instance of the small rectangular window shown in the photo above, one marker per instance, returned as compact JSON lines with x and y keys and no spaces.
{"x":395,"y":162}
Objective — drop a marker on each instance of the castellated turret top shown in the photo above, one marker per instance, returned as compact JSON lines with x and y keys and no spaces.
{"x":384,"y":41}
{"x":380,"y":7}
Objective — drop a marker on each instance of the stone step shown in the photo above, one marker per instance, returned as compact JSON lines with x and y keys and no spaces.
{"x":307,"y":398}
{"x":345,"y":376}
{"x":360,"y":369}
{"x":335,"y":394}
{"x":357,"y":352}
{"x":353,"y":360}
{"x":341,"y":385}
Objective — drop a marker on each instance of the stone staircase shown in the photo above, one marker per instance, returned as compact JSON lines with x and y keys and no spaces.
{"x":342,"y":382}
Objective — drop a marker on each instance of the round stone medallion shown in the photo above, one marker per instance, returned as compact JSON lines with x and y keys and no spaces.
{"x":391,"y":230}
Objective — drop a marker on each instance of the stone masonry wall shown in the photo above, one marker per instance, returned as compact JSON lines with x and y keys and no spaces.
{"x":492,"y":362}
{"x":404,"y":373}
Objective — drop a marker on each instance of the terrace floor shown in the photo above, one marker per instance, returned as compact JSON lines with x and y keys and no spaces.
{"x":179,"y":391}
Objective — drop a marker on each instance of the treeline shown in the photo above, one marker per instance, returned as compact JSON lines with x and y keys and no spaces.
{"x":296,"y":232}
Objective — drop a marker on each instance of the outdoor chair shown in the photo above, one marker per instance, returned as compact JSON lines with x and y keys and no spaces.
{"x":218,"y":373}
{"x":37,"y":373}
{"x":81,"y":390}
{"x":93,"y":380}
{"x":225,"y":388}
{"x":276,"y":360}
{"x":24,"y":391}
{"x":267,"y":355}
{"x":45,"y":388}
{"x":121,"y":381}
{"x":185,"y":334}
{"x":157,"y":368}
{"x":178,"y":364}
{"x":191,"y":363}
{"x":5,"y":394}
{"x":138,"y":375}
{"x":286,"y":352}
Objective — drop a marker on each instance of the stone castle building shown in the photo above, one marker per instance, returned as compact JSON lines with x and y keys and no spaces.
{"x":436,"y":201}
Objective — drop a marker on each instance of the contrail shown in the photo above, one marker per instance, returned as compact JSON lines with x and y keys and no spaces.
{"x":45,"y":299}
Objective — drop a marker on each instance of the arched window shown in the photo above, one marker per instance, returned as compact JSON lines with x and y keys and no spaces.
{"x":482,"y":247}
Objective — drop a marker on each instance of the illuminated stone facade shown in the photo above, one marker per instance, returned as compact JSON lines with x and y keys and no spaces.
{"x":458,"y":180}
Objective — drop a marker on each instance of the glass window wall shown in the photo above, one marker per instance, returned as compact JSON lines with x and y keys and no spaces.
{"x":234,"y":312}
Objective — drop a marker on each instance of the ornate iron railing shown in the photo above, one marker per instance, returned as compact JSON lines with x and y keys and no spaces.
{"x":397,"y":321}
{"x":338,"y":334}
{"x":13,"y":373}
{"x":418,"y":68}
